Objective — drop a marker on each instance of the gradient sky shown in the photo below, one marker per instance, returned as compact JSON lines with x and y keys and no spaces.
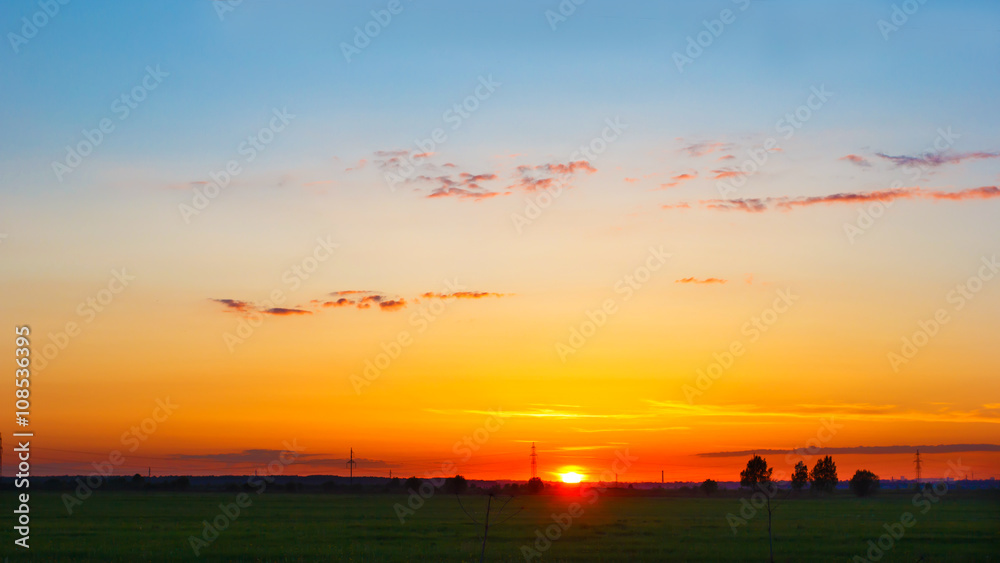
{"x":867,"y":145}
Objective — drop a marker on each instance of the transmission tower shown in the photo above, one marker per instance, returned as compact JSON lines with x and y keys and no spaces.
{"x":916,"y":462}
{"x":350,"y":465}
{"x":534,"y":462}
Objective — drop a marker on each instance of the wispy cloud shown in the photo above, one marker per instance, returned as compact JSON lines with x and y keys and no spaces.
{"x":857,"y":159}
{"x":862,"y":450}
{"x":934,"y":159}
{"x":758,"y":205}
{"x":701,"y":281}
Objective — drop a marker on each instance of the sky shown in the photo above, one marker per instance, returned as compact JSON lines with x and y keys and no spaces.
{"x":437,"y":233}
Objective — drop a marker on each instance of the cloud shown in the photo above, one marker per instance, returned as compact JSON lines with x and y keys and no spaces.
{"x":755,"y":205}
{"x":701,"y":281}
{"x":359,"y":166}
{"x":631,"y":180}
{"x":392,"y":304}
{"x":466,"y":186}
{"x":679,"y":179}
{"x":233,"y":304}
{"x":461,"y":295}
{"x":265,"y":456}
{"x":342,"y":302}
{"x":703,"y":148}
{"x":931,"y":159}
{"x":282,"y":311}
{"x":725,"y":173}
{"x":352,"y":292}
{"x":855,"y":159}
{"x":531,"y":178}
{"x":863,"y":450}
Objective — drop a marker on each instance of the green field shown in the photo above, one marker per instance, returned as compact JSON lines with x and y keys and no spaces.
{"x":135,"y":527}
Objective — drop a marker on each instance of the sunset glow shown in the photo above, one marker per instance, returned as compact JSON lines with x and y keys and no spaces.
{"x":487,"y":229}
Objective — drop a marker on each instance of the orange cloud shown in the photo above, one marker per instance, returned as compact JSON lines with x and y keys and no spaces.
{"x":855,"y":159}
{"x":392,"y":305}
{"x":701,"y":281}
{"x":461,"y":295}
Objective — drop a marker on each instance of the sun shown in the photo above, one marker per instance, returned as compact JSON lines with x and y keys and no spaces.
{"x":571,"y":477}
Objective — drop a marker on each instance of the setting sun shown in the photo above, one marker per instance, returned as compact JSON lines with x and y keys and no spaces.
{"x":571,"y":477}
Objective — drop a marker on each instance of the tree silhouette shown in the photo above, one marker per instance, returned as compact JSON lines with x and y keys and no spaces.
{"x":709,"y":486}
{"x":800,"y":476}
{"x":413,"y":483}
{"x":824,"y":475}
{"x":456,"y":485}
{"x":756,"y":474}
{"x":864,"y":482}
{"x":534,"y":486}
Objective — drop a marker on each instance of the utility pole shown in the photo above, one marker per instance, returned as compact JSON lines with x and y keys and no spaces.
{"x":350,"y":465}
{"x":661,"y":476}
{"x":917,"y":463}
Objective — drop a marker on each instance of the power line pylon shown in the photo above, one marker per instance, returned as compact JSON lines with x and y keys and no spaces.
{"x":534,"y":462}
{"x":916,"y":462}
{"x":350,"y":465}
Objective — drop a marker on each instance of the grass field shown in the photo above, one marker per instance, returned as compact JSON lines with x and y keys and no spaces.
{"x":135,"y":527}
